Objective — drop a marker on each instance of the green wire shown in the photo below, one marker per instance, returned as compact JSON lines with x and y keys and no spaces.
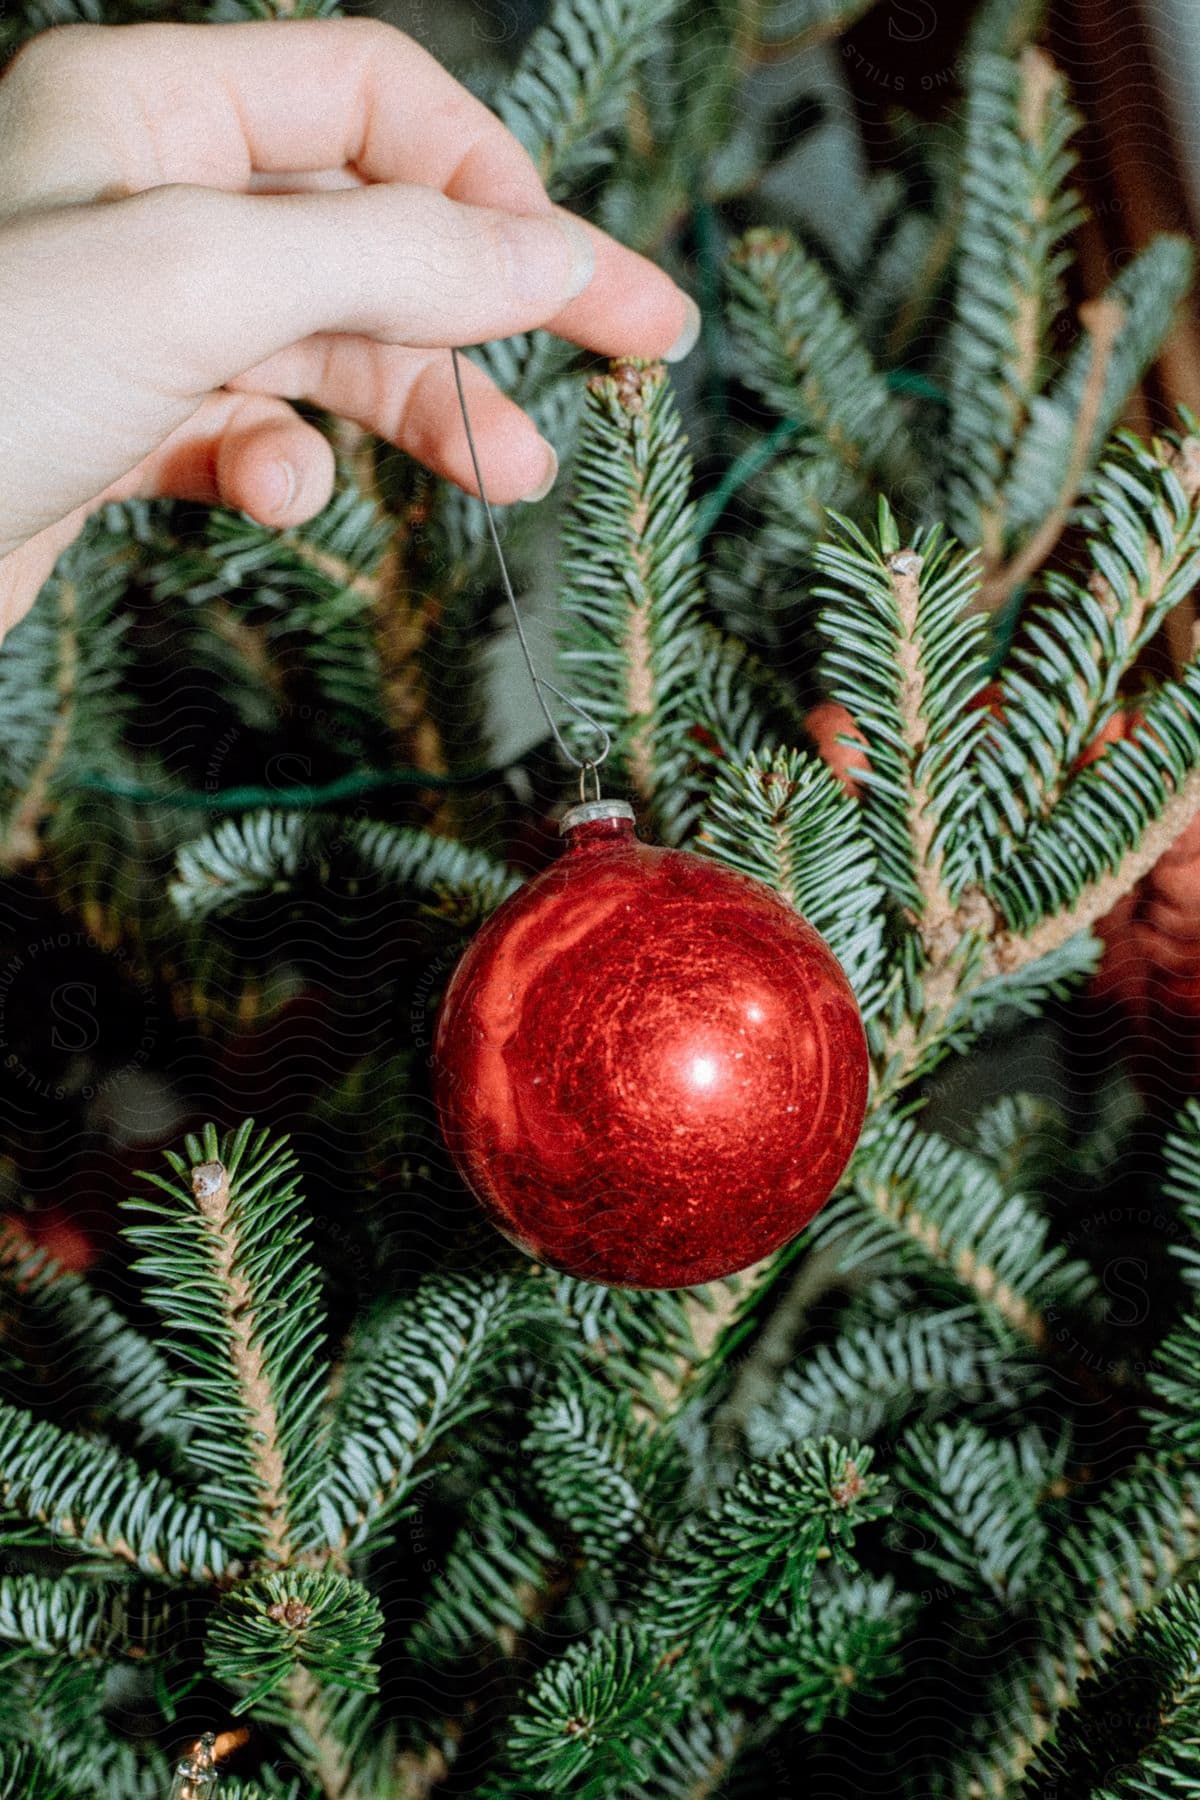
{"x":244,"y":799}
{"x":745,"y":467}
{"x":741,"y":470}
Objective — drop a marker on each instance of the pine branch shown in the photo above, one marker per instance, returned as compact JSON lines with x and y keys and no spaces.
{"x":1015,"y":212}
{"x":632,"y":582}
{"x":798,"y":27}
{"x":1062,"y":682}
{"x":57,"y":1705}
{"x":759,"y":1546}
{"x":1130,"y":1550}
{"x":60,"y":685}
{"x":568,"y":93}
{"x":52,"y":1617}
{"x":874,"y":1373}
{"x":976,"y":1518}
{"x":840,"y":1654}
{"x":1005,"y":27}
{"x":1114,"y":821}
{"x":590,"y":1712}
{"x":126,"y":1374}
{"x":918,"y":1197}
{"x":420,"y":1376}
{"x":905,"y":660}
{"x":86,"y":1497}
{"x":1134,"y":1732}
{"x":243,"y":859}
{"x":589,"y":1465}
{"x":246,"y":1324}
{"x":1175,"y":1378}
{"x":787,"y":820}
{"x":497,"y":1578}
{"x":798,"y":348}
{"x":316,"y":1737}
{"x":269,"y":1630}
{"x":417,"y":862}
{"x":317,"y":591}
{"x":1070,"y":425}
{"x":24,"y":1772}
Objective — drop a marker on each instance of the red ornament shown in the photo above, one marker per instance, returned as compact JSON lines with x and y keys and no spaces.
{"x":650,"y":1070}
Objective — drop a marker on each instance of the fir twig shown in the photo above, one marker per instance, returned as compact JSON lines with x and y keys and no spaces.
{"x":1102,"y":320}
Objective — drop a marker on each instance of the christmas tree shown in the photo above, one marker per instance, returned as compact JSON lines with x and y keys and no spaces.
{"x":311,"y":1485}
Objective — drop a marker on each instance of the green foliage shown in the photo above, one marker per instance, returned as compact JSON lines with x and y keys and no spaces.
{"x":843,"y":1652}
{"x":937,"y":1208}
{"x":110,"y":1361}
{"x":573,"y":82}
{"x":758,"y":1547}
{"x":1062,"y":682}
{"x":266,"y":853}
{"x":260,"y":853}
{"x":1107,"y":808}
{"x":62,"y":684}
{"x":800,"y":351}
{"x":585,"y":1454}
{"x":1175,"y":1379}
{"x":302,"y":1619}
{"x":1050,"y":465}
{"x":1150,"y":1690}
{"x":434,"y":1519}
{"x":980,"y":1528}
{"x":1016,"y":211}
{"x":420,"y":1374}
{"x":65,"y":1490}
{"x":50,"y":1616}
{"x":905,"y":659}
{"x":23,"y":1772}
{"x":787,"y":821}
{"x":230,"y":1274}
{"x":492,"y":1576}
{"x":593,"y":1705}
{"x":631,"y":583}
{"x":312,"y":593}
{"x":876,"y":1372}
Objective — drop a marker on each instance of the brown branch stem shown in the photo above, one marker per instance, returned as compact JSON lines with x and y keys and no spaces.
{"x":210,"y":1186}
{"x":1102,"y":320}
{"x":1014,"y":952}
{"x":330,"y":1758}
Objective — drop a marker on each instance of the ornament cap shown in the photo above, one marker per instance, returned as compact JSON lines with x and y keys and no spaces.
{"x":592,"y":812}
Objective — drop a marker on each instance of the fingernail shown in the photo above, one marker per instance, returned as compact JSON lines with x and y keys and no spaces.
{"x":283,"y":487}
{"x":687,"y":337}
{"x":583,"y":265}
{"x":550,"y":259}
{"x":548,"y":480}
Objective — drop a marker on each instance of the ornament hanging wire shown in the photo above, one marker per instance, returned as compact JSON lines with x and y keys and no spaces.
{"x":586,"y":765}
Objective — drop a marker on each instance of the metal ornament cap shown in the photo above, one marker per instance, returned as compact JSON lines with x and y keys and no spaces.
{"x":649,"y":1068}
{"x":591,"y":811}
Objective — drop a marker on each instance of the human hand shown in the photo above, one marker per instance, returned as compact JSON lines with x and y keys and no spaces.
{"x":201,"y":223}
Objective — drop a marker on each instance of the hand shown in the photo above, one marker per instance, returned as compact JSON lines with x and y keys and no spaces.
{"x":201,"y":223}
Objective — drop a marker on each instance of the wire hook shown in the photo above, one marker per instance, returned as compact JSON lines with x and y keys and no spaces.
{"x":541,"y":686}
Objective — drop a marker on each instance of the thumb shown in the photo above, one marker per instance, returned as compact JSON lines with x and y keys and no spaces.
{"x":225,"y":280}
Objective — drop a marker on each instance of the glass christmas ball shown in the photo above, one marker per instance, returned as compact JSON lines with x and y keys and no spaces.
{"x":649,"y":1069}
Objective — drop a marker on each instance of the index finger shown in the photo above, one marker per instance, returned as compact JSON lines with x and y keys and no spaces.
{"x":90,"y":112}
{"x":104,"y":110}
